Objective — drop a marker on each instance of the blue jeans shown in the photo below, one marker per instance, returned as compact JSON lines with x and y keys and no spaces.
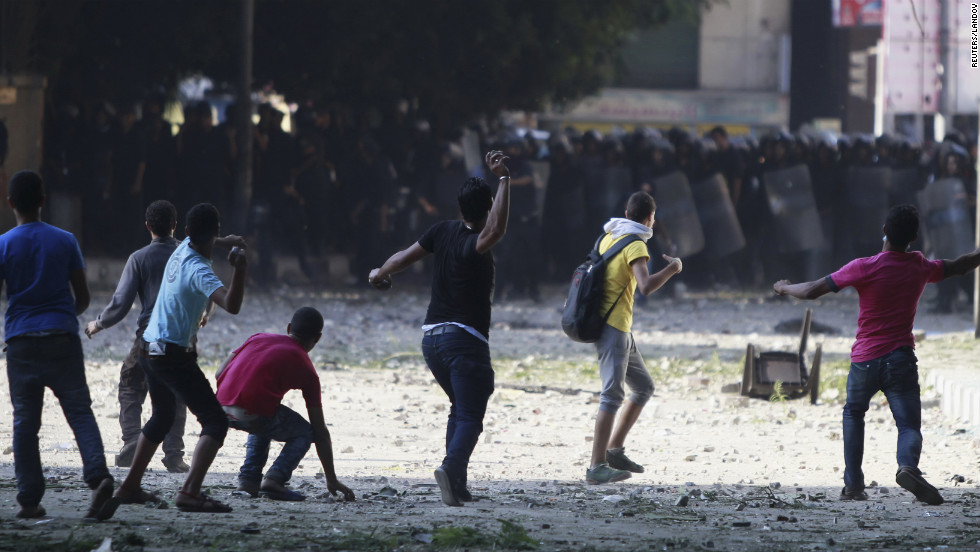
{"x":461,"y":365}
{"x":897,"y":376}
{"x":55,"y":362}
{"x":284,"y":426}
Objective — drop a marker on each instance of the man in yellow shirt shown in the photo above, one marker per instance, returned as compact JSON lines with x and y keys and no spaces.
{"x":619,"y":361}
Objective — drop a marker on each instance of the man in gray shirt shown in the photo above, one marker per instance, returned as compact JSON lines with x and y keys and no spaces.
{"x":141,"y":277}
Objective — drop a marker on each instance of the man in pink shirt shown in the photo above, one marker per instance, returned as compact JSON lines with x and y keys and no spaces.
{"x":251,"y":385}
{"x":889,"y":286}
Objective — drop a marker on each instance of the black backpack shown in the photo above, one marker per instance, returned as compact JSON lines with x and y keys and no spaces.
{"x":580,"y":317}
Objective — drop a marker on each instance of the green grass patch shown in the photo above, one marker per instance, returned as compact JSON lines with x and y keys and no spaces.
{"x":833,"y":380}
{"x":359,"y":541}
{"x":511,"y":536}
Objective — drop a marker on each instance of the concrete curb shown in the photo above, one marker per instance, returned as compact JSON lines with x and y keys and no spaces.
{"x":960,"y":394}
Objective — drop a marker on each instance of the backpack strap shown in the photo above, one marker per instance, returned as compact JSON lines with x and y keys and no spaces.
{"x":610,"y":253}
{"x":617,"y":247}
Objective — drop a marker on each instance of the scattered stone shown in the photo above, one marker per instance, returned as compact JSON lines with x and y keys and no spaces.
{"x":690,"y":457}
{"x":251,"y":529}
{"x":709,"y":448}
{"x":958,"y":479}
{"x":698,"y":381}
{"x":682,"y":501}
{"x":615,"y":499}
{"x":741,"y":524}
{"x":8,"y":450}
{"x":775,"y":485}
{"x":731,"y":387}
{"x":740,"y":507}
{"x":424,"y":538}
{"x":388,"y":491}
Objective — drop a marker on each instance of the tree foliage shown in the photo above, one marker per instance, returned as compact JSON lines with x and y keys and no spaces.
{"x":457,"y":57}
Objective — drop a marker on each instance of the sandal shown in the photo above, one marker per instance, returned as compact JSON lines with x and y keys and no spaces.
{"x":142,"y":497}
{"x":203,"y":503}
{"x":103,"y":505}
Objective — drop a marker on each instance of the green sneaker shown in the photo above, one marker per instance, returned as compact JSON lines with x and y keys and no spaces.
{"x":620,"y":461}
{"x":602,"y":473}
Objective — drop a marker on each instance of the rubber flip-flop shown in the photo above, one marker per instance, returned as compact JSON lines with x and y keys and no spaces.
{"x":104,"y":505}
{"x":287,"y":495}
{"x":204,"y":504}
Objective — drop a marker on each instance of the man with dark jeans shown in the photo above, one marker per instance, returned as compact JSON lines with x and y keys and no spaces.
{"x":173,"y":373}
{"x":44,"y":272}
{"x":251,"y":385}
{"x":457,"y":325}
{"x":889,"y":286}
{"x":141,"y":277}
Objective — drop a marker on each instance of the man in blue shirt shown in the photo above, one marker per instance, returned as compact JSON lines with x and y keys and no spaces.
{"x":43,"y":270}
{"x":141,"y":277}
{"x":172,"y":372}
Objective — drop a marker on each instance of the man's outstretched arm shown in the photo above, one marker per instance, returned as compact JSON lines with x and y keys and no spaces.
{"x":805,"y":290}
{"x":397,"y":263}
{"x":963,"y":264}
{"x":324,"y":450}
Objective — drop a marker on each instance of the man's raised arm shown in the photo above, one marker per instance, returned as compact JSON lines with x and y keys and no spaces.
{"x":496,"y":225}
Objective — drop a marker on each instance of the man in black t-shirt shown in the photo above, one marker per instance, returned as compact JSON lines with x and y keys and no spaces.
{"x":457,"y":324}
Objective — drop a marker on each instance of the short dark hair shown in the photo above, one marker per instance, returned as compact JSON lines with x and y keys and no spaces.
{"x":307,"y":323}
{"x":640,"y":206}
{"x":203,"y":223}
{"x":26,"y":191}
{"x":475,"y":199}
{"x":902,"y":225}
{"x":161,"y":216}
{"x":720,"y":131}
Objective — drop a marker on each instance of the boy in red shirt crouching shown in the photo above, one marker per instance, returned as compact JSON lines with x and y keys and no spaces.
{"x":251,"y":385}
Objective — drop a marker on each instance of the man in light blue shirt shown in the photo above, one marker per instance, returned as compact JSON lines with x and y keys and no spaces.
{"x":173,"y":373}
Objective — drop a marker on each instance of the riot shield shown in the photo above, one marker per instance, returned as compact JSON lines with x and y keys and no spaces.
{"x":866,"y":193}
{"x":541,"y":171}
{"x":904,"y":185}
{"x":617,"y":183}
{"x":794,"y":211}
{"x":722,"y":232}
{"x":944,"y":216}
{"x":677,"y":213}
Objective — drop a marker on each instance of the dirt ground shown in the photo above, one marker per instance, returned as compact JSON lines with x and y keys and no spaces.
{"x":723,"y":472}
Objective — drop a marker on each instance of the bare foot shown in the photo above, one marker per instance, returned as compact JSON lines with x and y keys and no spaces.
{"x":28,"y":512}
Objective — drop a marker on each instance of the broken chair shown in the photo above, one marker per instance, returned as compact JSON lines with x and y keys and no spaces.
{"x":764,"y":368}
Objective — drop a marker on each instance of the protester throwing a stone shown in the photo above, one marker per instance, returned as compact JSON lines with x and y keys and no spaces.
{"x":620,"y":361}
{"x":188,"y":284}
{"x":457,"y":325}
{"x":889,"y":286}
